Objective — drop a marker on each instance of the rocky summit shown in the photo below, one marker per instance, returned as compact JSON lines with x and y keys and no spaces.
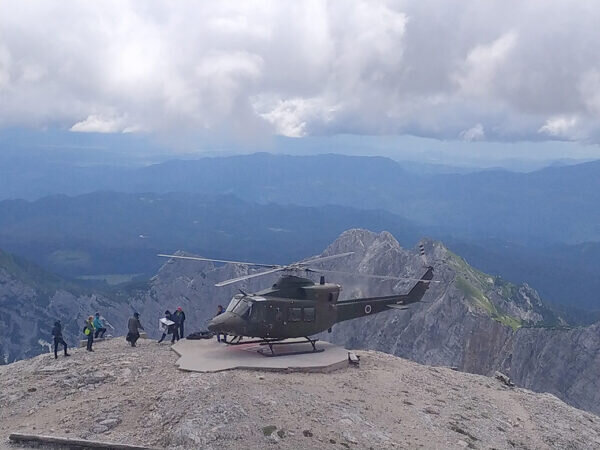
{"x":137,"y":396}
{"x":469,"y":320}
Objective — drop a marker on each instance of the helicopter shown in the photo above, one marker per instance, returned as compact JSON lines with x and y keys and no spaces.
{"x":297,"y":307}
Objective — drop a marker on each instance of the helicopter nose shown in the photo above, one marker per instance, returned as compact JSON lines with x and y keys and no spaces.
{"x":219,"y":324}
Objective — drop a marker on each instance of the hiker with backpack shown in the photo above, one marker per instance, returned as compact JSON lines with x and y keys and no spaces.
{"x":88,"y":331}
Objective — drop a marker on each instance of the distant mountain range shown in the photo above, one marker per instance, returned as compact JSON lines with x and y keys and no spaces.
{"x":556,"y":204}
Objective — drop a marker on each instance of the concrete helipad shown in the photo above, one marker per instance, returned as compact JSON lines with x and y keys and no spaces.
{"x":208,"y":355}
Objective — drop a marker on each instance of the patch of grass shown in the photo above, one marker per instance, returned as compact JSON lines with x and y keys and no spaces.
{"x":479,"y":300}
{"x":509,"y":321}
{"x":476,"y":296}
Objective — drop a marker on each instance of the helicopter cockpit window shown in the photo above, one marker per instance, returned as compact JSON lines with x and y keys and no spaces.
{"x":309,"y":314}
{"x":234,"y":301}
{"x":242,"y":308}
{"x":294,"y":314}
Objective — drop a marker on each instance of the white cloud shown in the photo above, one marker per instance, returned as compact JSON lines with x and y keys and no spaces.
{"x":426,"y":67}
{"x":99,"y":124}
{"x":476,"y":133}
{"x":480,"y":68}
{"x":560,"y":126}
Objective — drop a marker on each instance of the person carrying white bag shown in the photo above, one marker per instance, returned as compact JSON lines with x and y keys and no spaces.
{"x":167,"y":326}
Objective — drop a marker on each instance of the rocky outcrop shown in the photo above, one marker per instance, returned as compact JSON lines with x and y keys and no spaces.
{"x":471,"y":321}
{"x":137,"y":396}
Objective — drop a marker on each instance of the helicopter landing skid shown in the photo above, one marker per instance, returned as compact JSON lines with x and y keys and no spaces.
{"x":237,"y":340}
{"x":263,"y":351}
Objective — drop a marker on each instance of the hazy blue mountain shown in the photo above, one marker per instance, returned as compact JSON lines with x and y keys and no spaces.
{"x":108,"y":233}
{"x":556,"y":204}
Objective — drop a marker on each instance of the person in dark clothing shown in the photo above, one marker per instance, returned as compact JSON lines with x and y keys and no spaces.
{"x":175,"y":318}
{"x":220,"y":310}
{"x":134,"y":326}
{"x":171,"y":329}
{"x":99,"y":326}
{"x":180,"y":315}
{"x":88,"y":331}
{"x":58,"y":339}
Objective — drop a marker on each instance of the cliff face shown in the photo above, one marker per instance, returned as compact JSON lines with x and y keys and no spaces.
{"x":563,"y":362}
{"x":31,"y":300}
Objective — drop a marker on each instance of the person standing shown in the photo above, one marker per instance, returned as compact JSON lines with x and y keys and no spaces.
{"x":168,"y":326}
{"x":134,"y":326}
{"x":99,"y":326}
{"x":88,"y":331}
{"x":58,"y":339}
{"x":220,"y":311}
{"x":180,"y":315}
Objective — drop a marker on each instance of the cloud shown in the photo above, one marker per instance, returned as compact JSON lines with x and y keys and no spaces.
{"x":99,"y":124}
{"x":518,"y":70}
{"x":475,"y":133}
{"x":569,"y":128}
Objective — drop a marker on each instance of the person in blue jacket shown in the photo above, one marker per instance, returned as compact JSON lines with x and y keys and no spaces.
{"x":99,"y":326}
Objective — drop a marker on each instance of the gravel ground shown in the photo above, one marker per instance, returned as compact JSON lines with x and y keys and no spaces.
{"x":137,"y":396}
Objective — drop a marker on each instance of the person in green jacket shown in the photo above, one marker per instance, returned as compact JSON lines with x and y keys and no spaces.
{"x":88,"y":331}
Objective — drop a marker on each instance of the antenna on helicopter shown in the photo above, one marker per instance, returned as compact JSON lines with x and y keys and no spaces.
{"x":422,"y":254}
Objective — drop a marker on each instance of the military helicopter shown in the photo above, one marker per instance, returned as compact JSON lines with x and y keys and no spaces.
{"x":297,"y":307}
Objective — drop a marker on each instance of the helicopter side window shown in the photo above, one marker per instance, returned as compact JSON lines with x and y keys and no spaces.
{"x":294,"y":314}
{"x":309,"y":314}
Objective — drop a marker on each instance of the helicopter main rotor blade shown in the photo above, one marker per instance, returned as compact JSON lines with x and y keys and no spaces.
{"x":247,"y":277}
{"x":320,"y":259}
{"x":367,"y":275}
{"x":198,"y":258}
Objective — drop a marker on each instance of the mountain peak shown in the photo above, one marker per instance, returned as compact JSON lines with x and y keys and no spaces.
{"x":141,"y":398}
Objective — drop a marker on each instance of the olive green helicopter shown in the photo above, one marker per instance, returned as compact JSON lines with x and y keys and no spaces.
{"x":297,"y":307}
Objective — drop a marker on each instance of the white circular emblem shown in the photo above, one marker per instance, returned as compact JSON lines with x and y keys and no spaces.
{"x":368,"y":309}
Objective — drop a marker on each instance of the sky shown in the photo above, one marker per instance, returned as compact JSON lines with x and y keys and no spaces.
{"x":506,"y":75}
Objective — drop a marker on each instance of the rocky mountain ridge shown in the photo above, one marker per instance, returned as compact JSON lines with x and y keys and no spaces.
{"x":137,"y":396}
{"x":469,"y":320}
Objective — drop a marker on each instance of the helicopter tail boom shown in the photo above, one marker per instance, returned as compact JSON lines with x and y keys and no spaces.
{"x":360,"y":307}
